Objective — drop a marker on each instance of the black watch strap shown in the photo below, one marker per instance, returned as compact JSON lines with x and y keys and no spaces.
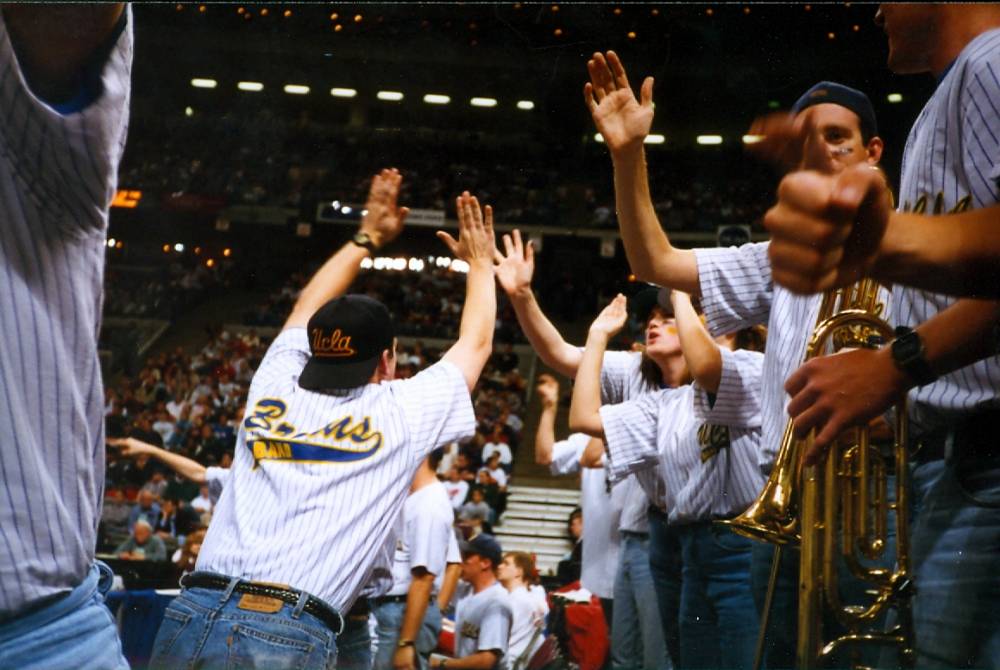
{"x":909,"y":356}
{"x":364,"y":240}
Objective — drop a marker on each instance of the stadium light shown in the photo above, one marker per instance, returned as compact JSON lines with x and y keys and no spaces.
{"x":654,"y":139}
{"x":111,"y":243}
{"x":752,"y":139}
{"x":179,"y":247}
{"x":483,"y":102}
{"x":204,"y":83}
{"x":250,"y":86}
{"x":436,"y":99}
{"x":343,"y":92}
{"x":296,"y":89}
{"x":525,"y":104}
{"x":709,"y":139}
{"x":894,"y":97}
{"x":366,"y":263}
{"x":598,"y":137}
{"x":392,"y":96}
{"x":188,"y":111}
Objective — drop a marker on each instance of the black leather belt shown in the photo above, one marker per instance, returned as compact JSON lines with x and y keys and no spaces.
{"x":381,"y":600}
{"x":314,"y":606}
{"x":360,"y":609}
{"x":974,"y":437}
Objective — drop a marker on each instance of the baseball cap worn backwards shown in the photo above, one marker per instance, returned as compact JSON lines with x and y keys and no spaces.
{"x":482,"y":545}
{"x":643,"y":302}
{"x":347,"y":336}
{"x":845,"y":96}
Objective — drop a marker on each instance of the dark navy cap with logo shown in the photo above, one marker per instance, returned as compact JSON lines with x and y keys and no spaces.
{"x":642,"y":303}
{"x":482,"y":545}
{"x":347,"y":336}
{"x":845,"y":96}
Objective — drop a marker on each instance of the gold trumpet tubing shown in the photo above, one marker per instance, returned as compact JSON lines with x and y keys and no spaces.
{"x":810,"y":572}
{"x":855,"y":535}
{"x":864,"y":517}
{"x":854,"y":638}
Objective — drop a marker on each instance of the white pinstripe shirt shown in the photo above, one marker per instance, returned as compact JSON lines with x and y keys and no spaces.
{"x":952,"y":163}
{"x":58,"y":174}
{"x":318,"y":480}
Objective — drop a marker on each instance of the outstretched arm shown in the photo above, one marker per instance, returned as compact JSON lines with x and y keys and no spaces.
{"x":129,"y":446}
{"x":585,"y":409}
{"x":475,"y":245}
{"x":514,"y":270}
{"x":701,"y":352}
{"x":545,"y":436}
{"x":624,"y":122}
{"x":382,"y":224}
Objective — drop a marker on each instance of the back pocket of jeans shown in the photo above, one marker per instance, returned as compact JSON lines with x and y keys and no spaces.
{"x":174,"y":623}
{"x":254,"y":648}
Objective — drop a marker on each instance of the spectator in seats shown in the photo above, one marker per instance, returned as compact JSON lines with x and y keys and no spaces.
{"x":570,"y":566}
{"x":176,"y":520}
{"x":495,"y":472}
{"x":464,"y":467}
{"x":142,"y":545}
{"x":187,"y":555}
{"x":498,"y":445}
{"x":203,"y":503}
{"x":475,"y":514}
{"x":457,"y":488}
{"x":517,"y":573}
{"x":145,"y":507}
{"x":157,"y":484}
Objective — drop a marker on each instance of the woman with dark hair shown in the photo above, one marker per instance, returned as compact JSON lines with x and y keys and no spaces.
{"x":517,"y":574}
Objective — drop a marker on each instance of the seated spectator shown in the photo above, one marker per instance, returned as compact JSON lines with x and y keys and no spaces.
{"x":187,"y":555}
{"x":457,"y":488}
{"x":498,"y":446}
{"x":476,"y":508}
{"x":142,"y":545}
{"x":568,"y":569}
{"x":517,"y":574}
{"x":176,"y":520}
{"x":203,"y":503}
{"x":497,"y":474}
{"x":490,"y":490}
{"x":146,"y":508}
{"x":157,"y":485}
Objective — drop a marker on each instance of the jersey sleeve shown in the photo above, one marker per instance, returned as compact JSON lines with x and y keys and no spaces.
{"x":566,"y":454}
{"x":630,"y":430}
{"x":736,"y":286}
{"x":454,"y":554}
{"x":67,"y":162}
{"x":428,"y":542}
{"x":616,"y":370}
{"x":279,"y":371}
{"x":737,"y":402}
{"x":494,"y":631}
{"x":216,"y":478}
{"x":436,"y":406}
{"x":980,"y":121}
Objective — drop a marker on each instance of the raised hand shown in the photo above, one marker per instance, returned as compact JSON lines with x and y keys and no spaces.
{"x":128,"y":446}
{"x":780,"y":138}
{"x":384,"y":220}
{"x":623,"y":121}
{"x":475,"y":243}
{"x":516,"y":266}
{"x":548,"y":390}
{"x":611,"y":319}
{"x":826,"y":229}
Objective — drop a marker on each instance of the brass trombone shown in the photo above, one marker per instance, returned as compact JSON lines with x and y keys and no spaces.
{"x":839,"y":507}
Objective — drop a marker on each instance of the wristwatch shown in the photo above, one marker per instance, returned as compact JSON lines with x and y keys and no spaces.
{"x":909,"y":356}
{"x":402,"y":644}
{"x":365,"y":240}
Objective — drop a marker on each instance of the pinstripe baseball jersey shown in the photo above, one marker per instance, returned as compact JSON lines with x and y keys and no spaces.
{"x":422,"y":536}
{"x":318,"y":479}
{"x":737,"y":292}
{"x":601,"y":515}
{"x":952,"y":164}
{"x":58,"y":174}
{"x":216,"y":478}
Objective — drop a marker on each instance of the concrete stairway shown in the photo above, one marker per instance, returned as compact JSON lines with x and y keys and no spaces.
{"x":535,"y":521}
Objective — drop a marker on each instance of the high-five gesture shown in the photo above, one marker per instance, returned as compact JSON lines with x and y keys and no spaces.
{"x":515,"y":267}
{"x":611,"y":319}
{"x":623,"y":121}
{"x":475,"y":241}
{"x":384,"y":219}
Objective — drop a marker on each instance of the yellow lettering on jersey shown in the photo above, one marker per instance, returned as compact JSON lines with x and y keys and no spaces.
{"x":271,"y":450}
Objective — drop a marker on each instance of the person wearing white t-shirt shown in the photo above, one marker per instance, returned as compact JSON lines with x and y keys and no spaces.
{"x":501,"y":448}
{"x":493,"y":469}
{"x":517,"y":574}
{"x":457,"y":488}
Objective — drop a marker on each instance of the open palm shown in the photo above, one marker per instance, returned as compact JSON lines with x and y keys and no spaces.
{"x":514,"y":268}
{"x":621,"y":119}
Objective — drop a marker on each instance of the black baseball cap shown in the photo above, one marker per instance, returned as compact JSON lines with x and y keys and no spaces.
{"x":643,"y":302}
{"x":482,"y":545}
{"x":845,"y":96}
{"x":346,"y":339}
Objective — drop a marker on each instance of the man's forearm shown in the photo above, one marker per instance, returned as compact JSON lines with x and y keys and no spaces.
{"x":701,"y":352}
{"x":650,"y":254}
{"x":545,"y":339}
{"x":960,"y":335}
{"x":330,"y":281}
{"x":447,"y":592}
{"x":958,"y":254}
{"x":417,"y":599}
{"x":545,"y":436}
{"x":584,"y":411}
{"x":480,"y":310}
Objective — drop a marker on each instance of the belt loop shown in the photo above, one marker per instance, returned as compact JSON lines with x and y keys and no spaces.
{"x":300,"y":605}
{"x":233,"y":582}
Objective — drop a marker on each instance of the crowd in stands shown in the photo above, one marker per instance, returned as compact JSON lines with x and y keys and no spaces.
{"x":161,"y":291}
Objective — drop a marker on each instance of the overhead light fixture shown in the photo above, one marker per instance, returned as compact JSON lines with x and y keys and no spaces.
{"x":894,"y":97}
{"x":483,"y":102}
{"x":389,"y":95}
{"x":598,"y":137}
{"x":709,"y":139}
{"x":296,"y":89}
{"x":343,"y":92}
{"x":250,"y":86}
{"x":654,"y":139}
{"x":204,"y":83}
{"x":752,"y":139}
{"x":525,"y":104}
{"x":188,"y":111}
{"x":436,"y":99}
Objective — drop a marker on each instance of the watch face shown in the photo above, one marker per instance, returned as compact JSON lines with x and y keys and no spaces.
{"x":906,"y":347}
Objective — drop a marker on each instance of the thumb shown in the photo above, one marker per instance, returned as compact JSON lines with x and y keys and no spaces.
{"x":859,"y":191}
{"x":449,"y":241}
{"x":646,"y":92}
{"x":401,"y":214}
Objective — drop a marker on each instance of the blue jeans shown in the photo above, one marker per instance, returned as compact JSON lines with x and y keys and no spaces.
{"x":718,"y":624}
{"x":389,"y":616}
{"x":666,"y":564}
{"x":207,"y":628}
{"x":354,"y":646}
{"x":636,"y":632}
{"x":75,"y":631}
{"x":956,"y":565}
